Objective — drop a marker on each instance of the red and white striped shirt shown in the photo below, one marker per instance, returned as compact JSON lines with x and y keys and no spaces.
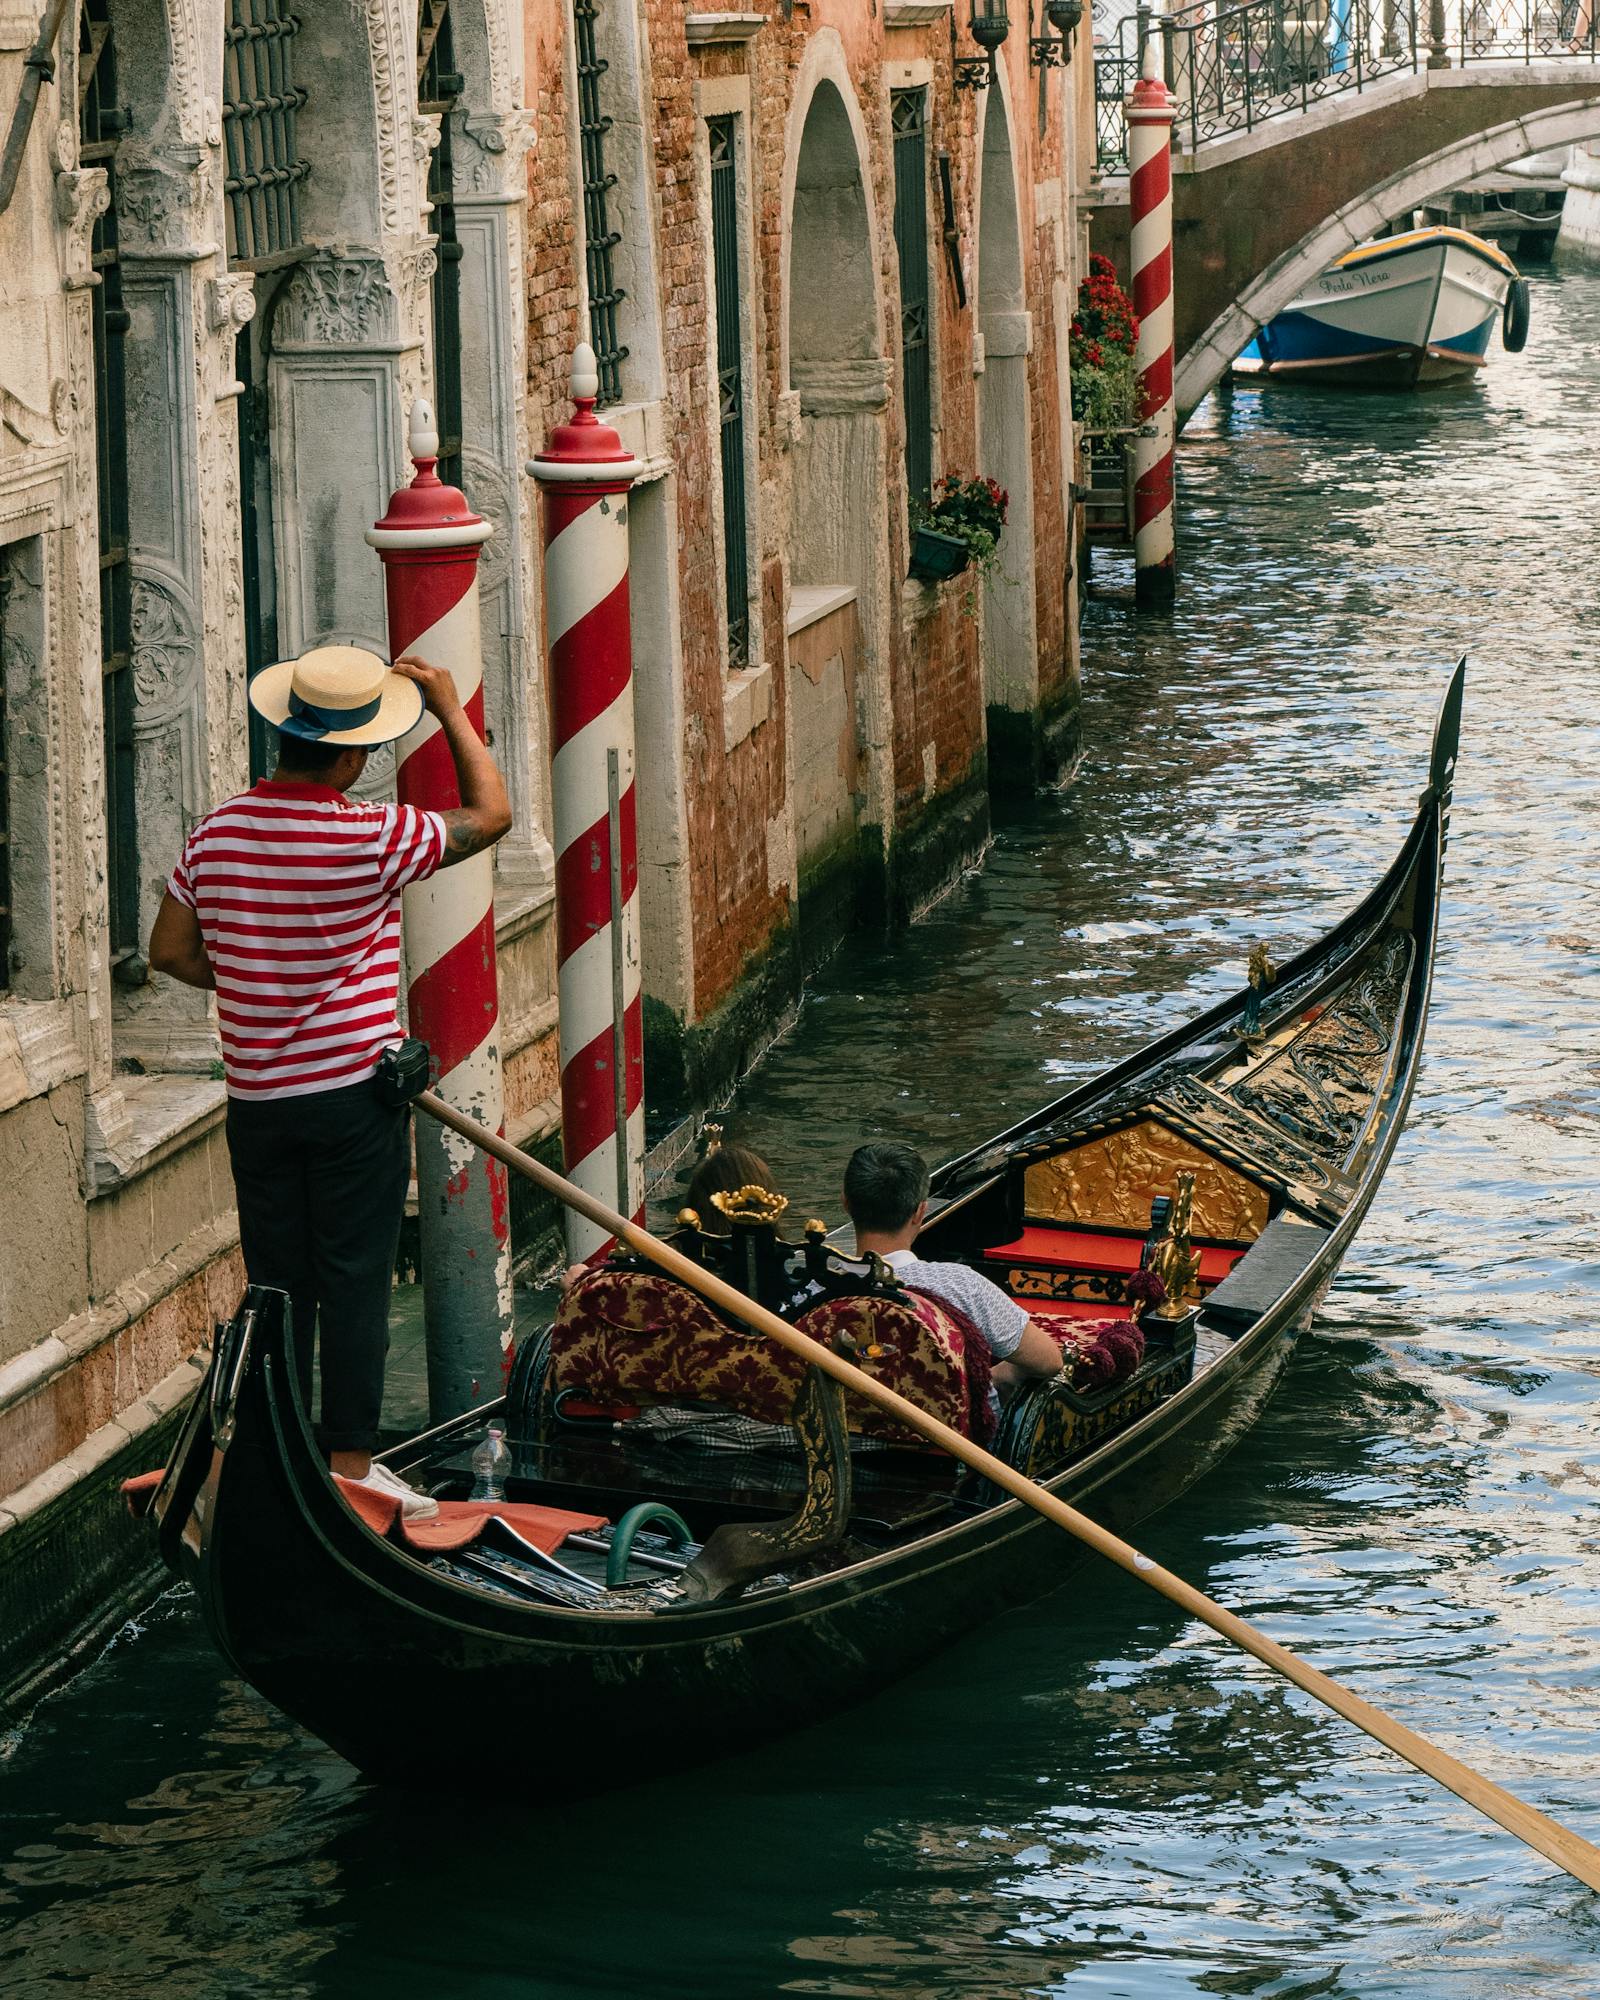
{"x":297,"y":890}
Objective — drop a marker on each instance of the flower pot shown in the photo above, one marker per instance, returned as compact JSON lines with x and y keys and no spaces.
{"x":936,"y":556}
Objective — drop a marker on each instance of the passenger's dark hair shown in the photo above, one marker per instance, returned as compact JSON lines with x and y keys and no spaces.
{"x":884,"y":1185}
{"x":307,"y":759}
{"x":722,"y":1172}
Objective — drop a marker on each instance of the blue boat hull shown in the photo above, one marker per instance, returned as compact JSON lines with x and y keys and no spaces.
{"x":1413,"y":310}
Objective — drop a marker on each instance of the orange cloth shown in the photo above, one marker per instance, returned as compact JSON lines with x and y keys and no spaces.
{"x":459,"y":1523}
{"x":139,"y":1491}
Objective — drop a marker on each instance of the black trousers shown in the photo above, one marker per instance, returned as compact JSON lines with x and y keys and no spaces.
{"x":322,"y":1188}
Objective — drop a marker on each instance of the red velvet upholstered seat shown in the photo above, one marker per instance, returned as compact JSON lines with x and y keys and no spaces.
{"x":633,"y":1338}
{"x":1053,"y":1248}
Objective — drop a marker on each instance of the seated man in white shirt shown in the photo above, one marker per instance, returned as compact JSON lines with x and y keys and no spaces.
{"x":886,"y":1195}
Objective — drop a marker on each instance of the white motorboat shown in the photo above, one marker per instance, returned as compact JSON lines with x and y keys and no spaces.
{"x":1395,"y":313}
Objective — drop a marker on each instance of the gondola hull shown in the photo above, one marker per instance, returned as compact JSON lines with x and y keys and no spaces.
{"x":405,"y":1670}
{"x":399,"y":1684}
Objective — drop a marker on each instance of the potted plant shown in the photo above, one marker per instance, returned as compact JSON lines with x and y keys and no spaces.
{"x":1105,"y":398}
{"x":1101,"y":340}
{"x":960,"y":526}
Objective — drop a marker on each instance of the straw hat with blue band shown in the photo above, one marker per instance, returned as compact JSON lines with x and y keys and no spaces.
{"x":343,"y":696}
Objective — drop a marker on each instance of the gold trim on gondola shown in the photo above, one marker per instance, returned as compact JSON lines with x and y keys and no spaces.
{"x":751,"y":1205}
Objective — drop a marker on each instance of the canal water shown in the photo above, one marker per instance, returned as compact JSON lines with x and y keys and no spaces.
{"x":1095,"y":1797}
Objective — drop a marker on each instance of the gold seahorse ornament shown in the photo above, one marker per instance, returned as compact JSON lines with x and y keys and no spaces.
{"x":1173,"y":1261}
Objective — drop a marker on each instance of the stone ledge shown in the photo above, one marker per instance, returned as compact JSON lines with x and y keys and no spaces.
{"x":746,"y":703}
{"x":810,"y":603}
{"x":711,"y":30}
{"x":534,"y":1125}
{"x":38,"y":1049}
{"x":169,"y":1394}
{"x":160,"y":1115}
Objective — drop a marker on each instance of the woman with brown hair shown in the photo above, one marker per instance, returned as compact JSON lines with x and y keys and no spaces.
{"x":724,"y":1170}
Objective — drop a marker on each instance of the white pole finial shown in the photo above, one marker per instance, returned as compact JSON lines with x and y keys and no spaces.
{"x":585,"y":375}
{"x":424,"y":435}
{"x":1150,"y":70}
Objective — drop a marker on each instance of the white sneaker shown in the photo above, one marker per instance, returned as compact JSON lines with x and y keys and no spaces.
{"x":414,"y":1506}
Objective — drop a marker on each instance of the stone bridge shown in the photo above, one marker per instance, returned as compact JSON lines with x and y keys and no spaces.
{"x":1266,"y":194}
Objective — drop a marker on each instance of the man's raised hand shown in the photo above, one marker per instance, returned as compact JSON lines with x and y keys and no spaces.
{"x":438,"y":685}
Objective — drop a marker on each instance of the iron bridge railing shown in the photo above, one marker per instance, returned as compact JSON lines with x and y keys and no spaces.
{"x":1233,"y":66}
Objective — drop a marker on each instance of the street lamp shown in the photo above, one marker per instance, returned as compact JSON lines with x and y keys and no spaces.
{"x":990,"y":26}
{"x":1055,"y":52}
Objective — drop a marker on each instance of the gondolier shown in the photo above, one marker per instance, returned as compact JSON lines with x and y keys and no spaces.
{"x":286,"y":901}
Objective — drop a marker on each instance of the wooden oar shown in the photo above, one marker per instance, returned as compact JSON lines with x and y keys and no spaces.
{"x":1557,"y":1843}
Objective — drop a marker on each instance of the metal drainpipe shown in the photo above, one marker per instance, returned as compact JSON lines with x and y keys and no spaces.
{"x":38,"y":67}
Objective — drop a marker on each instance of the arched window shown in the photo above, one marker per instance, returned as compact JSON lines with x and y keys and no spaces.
{"x":101,"y":120}
{"x":439,"y":89}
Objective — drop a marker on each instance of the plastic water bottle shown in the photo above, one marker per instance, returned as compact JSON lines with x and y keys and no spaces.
{"x":491,"y":1463}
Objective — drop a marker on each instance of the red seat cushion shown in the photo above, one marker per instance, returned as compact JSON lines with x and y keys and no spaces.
{"x":1093,"y":1250}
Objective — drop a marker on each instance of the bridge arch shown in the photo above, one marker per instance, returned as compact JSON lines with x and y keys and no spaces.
{"x":1266,"y":292}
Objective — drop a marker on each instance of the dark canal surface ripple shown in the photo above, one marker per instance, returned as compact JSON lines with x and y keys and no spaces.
{"x":1095,"y":1797}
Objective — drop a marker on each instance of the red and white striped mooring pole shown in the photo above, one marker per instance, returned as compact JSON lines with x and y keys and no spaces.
{"x":429,"y":543}
{"x":1151,"y":110}
{"x":585,"y":476}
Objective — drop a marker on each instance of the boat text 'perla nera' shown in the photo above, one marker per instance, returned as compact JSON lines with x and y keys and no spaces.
{"x":1397,"y":313}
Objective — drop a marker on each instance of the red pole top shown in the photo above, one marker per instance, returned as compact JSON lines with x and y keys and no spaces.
{"x":584,"y":444}
{"x":1151,"y":103}
{"x":427,"y":506}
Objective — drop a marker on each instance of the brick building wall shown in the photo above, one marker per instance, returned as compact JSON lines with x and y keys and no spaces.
{"x":932,"y":729}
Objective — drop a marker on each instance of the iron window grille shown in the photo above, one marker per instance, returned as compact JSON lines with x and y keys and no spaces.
{"x":100,"y":121}
{"x":439,"y":89}
{"x":255,"y":548}
{"x":261,"y":105}
{"x":600,"y":238}
{"x":907,"y":109}
{"x":730,"y":384}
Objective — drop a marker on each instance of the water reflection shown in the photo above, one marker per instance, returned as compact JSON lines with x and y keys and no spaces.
{"x":1094,"y":1798}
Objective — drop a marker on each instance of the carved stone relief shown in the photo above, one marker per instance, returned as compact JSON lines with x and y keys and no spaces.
{"x":165,"y":656}
{"x":390,"y":35}
{"x":164,"y":198}
{"x":37,"y":427}
{"x":83,"y":195}
{"x":230,"y":303}
{"x":496,"y":147}
{"x":490,"y":491}
{"x":412,"y":264}
{"x":338,"y":302}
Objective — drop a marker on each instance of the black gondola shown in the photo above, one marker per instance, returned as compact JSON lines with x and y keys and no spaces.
{"x":687,"y":1602}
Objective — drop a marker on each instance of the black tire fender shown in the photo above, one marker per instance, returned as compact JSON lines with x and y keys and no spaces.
{"x":1514,"y":317}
